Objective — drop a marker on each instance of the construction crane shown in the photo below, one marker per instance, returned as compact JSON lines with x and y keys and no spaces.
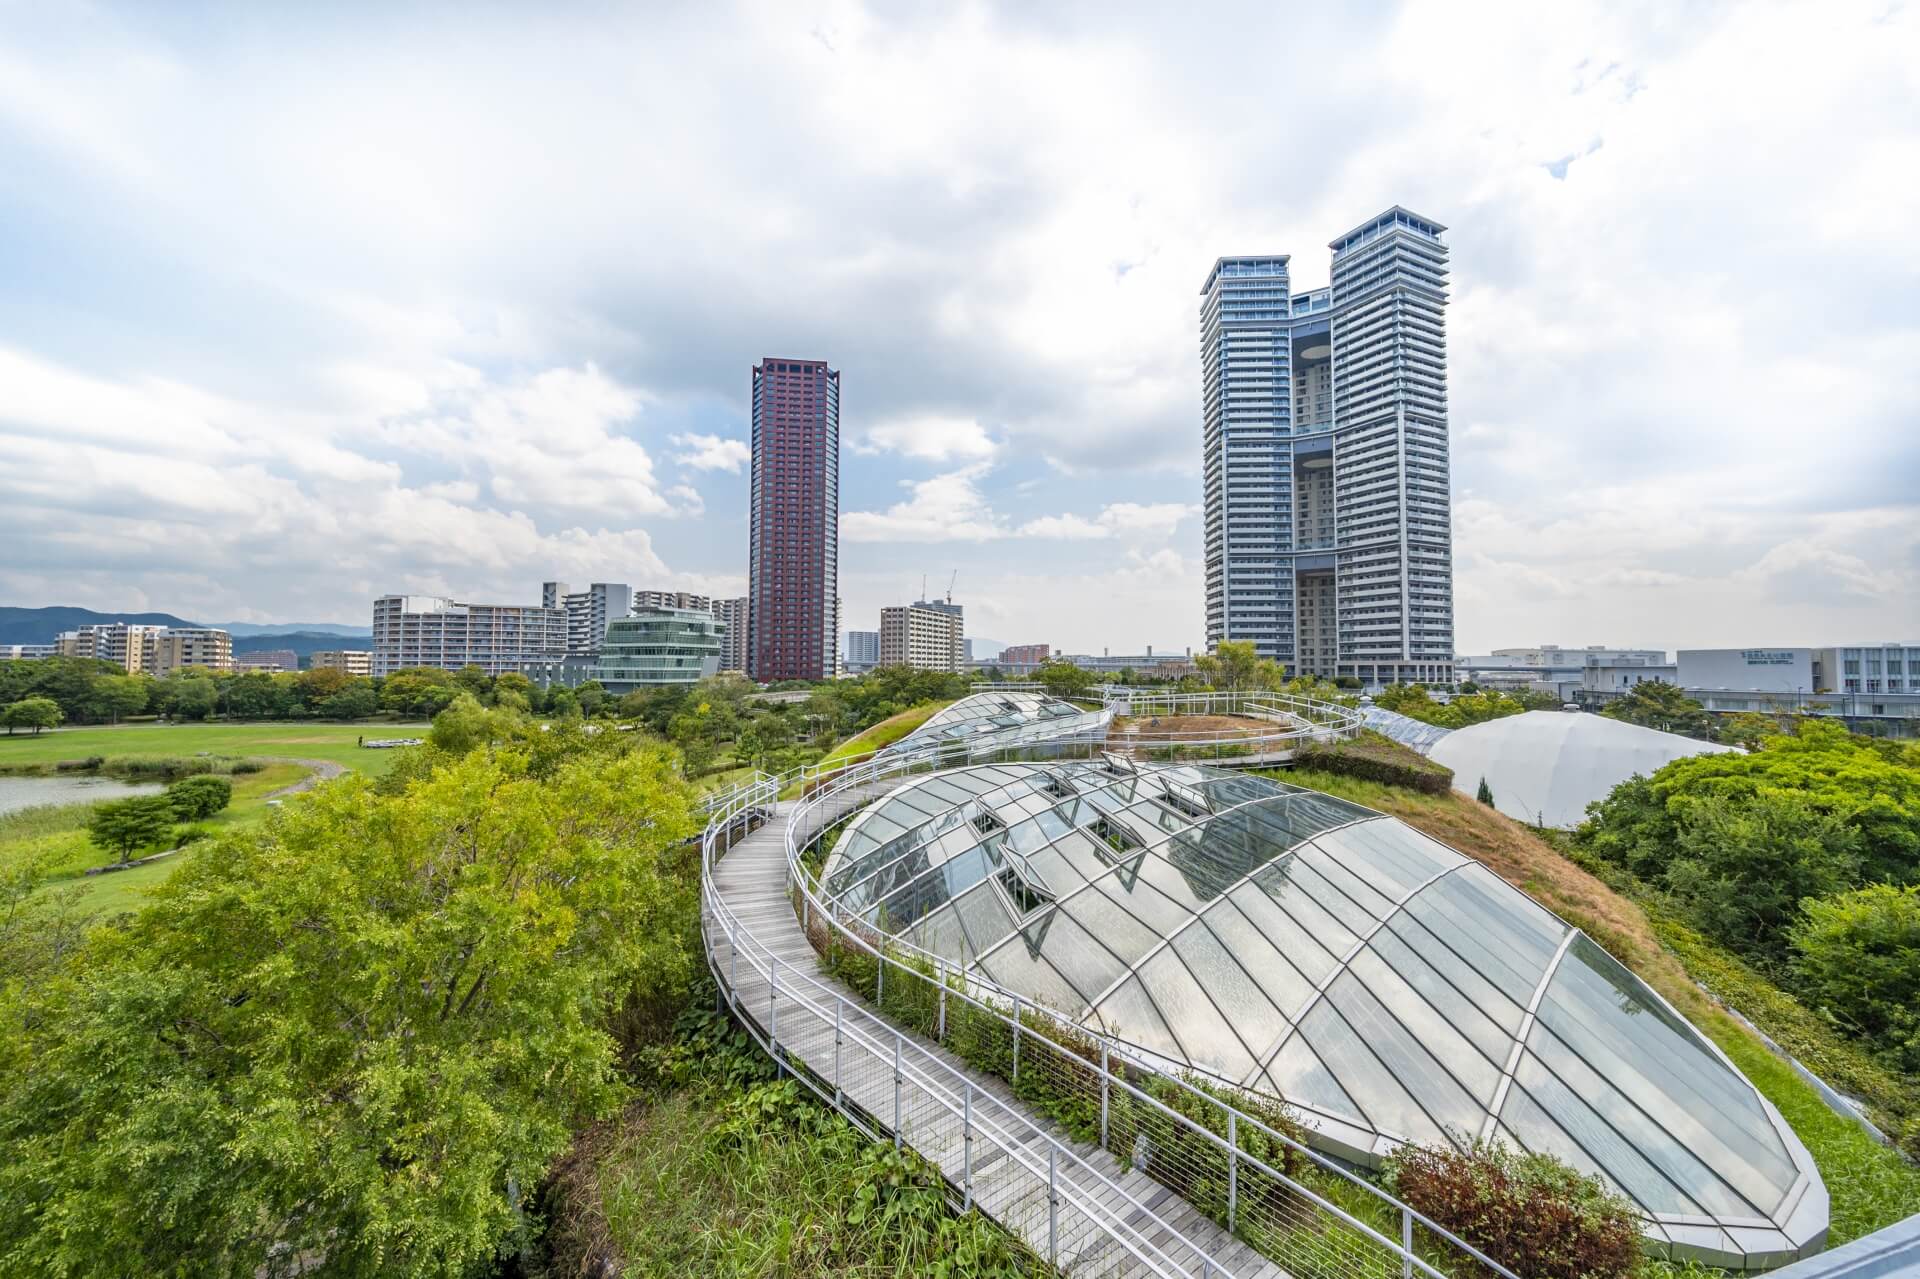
{"x":950,"y":582}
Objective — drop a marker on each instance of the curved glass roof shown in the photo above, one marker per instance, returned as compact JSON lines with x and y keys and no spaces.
{"x":1388,"y":987}
{"x":1010,"y":717}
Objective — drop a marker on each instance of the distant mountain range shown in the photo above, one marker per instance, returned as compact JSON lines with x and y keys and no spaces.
{"x":237,"y":629}
{"x":42,"y":625}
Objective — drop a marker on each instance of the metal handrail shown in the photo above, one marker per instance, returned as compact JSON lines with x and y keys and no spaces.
{"x":1136,"y":1228}
{"x":1308,"y":718}
{"x":997,"y":999}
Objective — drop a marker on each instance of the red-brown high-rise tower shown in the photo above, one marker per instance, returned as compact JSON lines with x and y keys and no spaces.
{"x":793,"y":554}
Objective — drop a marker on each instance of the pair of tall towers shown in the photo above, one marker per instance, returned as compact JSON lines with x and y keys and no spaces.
{"x":1328,"y":525}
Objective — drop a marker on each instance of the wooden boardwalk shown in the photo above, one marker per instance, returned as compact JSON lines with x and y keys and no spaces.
{"x":1101,"y":1219}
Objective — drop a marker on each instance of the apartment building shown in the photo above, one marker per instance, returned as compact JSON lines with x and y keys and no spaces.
{"x":1325,"y":451}
{"x":863,"y":651}
{"x":732,"y":615}
{"x":352,"y":661}
{"x":588,"y":611}
{"x":426,"y":630}
{"x":793,"y":549}
{"x":150,"y":650}
{"x":926,"y":634}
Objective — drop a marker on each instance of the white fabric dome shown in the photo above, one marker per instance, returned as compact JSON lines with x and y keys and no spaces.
{"x":1545,"y":767}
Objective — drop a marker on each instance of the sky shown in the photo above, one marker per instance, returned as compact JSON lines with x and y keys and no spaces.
{"x":302,"y":307}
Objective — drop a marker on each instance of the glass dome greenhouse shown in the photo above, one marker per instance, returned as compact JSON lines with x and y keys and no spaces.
{"x":1389,"y":988}
{"x":1011,"y":718}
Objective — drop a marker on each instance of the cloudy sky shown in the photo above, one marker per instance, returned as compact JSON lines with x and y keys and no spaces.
{"x":298,"y":310}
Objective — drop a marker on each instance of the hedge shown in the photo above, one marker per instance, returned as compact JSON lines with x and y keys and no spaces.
{"x":1373,"y":758}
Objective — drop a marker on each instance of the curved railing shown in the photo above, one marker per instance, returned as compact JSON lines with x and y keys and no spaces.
{"x":1301,"y":1227}
{"x":1089,"y":1217}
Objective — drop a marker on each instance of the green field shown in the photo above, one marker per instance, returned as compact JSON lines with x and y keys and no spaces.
{"x":336,"y":742}
{"x":55,"y":839}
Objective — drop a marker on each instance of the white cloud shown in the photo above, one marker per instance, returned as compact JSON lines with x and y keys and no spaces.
{"x":933,"y":439}
{"x":1152,"y":521}
{"x":946,"y":508}
{"x":713,"y":453}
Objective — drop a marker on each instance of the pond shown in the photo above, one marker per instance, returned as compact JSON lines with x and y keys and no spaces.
{"x":25,"y":792}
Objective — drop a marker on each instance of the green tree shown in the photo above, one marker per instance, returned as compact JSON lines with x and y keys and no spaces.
{"x":1749,"y":729}
{"x":126,"y":826}
{"x":465,"y":724}
{"x":361,"y":1034}
{"x":1657,"y":704}
{"x":117,"y":695}
{"x":356,"y":701}
{"x":475,"y":681}
{"x":1236,"y":665}
{"x":199,"y":796}
{"x":191,"y":697}
{"x":1485,"y":794}
{"x":593,"y":698}
{"x":418,"y":690}
{"x":1857,"y":957}
{"x":1742,"y":868}
{"x":35,"y":713}
{"x":1064,"y":679}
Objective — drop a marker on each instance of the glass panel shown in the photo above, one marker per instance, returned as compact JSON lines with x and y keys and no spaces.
{"x":1458,"y":972}
{"x":1304,"y":945}
{"x":986,"y":920}
{"x":1081,"y":958}
{"x":1100,"y":915}
{"x":940,"y":934}
{"x":1298,"y":1075}
{"x":1250,"y":1013}
{"x":1469,"y":1067}
{"x":1284,"y":984}
{"x":1491,"y":926}
{"x":1210,"y":1043}
{"x":1368,"y":904}
{"x":1655,"y":1144}
{"x":1019,"y":969}
{"x":1385,"y":1104}
{"x":1535,"y":1129}
{"x":1129,"y":1015}
{"x":1600,"y":1011}
{"x":1300,"y":892}
{"x":1459,"y":1010}
{"x":1140,"y":899}
{"x":1446,"y":1103}
{"x":1393,"y":857}
{"x":1623,"y":1165}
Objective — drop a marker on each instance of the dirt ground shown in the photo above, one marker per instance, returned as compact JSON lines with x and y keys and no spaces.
{"x":1168,"y":727}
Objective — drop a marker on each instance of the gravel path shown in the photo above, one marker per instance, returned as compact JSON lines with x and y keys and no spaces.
{"x":320,"y":770}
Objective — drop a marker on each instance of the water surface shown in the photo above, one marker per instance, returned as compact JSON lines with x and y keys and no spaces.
{"x":25,"y":792}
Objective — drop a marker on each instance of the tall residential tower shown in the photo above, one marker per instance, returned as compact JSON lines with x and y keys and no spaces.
{"x":793,"y":564}
{"x":1328,"y":530}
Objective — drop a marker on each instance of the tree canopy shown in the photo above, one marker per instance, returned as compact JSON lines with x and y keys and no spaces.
{"x":362,"y":1032}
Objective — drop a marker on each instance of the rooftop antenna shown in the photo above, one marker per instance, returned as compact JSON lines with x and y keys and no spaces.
{"x":923,"y":586}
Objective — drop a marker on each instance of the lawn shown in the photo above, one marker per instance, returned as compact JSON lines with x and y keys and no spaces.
{"x":1871,"y":1186}
{"x":55,"y":838}
{"x":885,"y":733}
{"x":336,"y":742}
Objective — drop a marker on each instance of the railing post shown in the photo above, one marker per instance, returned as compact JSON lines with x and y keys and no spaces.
{"x":1053,"y":1206}
{"x":1406,"y":1242}
{"x":773,"y":1010}
{"x":940,"y":971}
{"x":1016,"y":1040}
{"x":1106,"y":1081}
{"x":838,"y":1005}
{"x":966,"y":1149}
{"x":1233,"y":1168}
{"x":896,"y":1090}
{"x":879,"y":977}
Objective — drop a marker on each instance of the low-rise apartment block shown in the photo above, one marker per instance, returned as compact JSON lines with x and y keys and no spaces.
{"x":150,"y":650}
{"x":429,"y":630}
{"x":925,"y":634}
{"x":353,"y":661}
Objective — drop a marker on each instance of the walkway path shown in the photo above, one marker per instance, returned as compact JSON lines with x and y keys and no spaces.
{"x":1103,"y":1220}
{"x":319,"y":770}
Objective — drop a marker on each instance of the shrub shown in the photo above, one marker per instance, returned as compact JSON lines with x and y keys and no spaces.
{"x":1857,"y":956}
{"x":243,"y":766}
{"x":1374,"y":758}
{"x":200,"y":796}
{"x":126,"y":826}
{"x":87,"y":765}
{"x":1530,"y":1212}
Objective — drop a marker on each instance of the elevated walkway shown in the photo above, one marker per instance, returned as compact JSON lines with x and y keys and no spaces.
{"x":1071,"y":1202}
